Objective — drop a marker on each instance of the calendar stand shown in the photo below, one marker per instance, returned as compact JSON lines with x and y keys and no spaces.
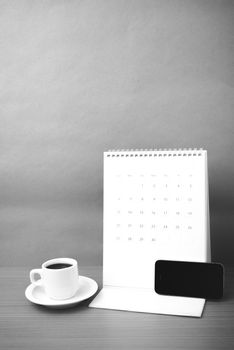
{"x":155,"y":207}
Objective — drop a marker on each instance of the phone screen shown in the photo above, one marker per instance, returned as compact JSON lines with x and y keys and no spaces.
{"x":191,"y":279}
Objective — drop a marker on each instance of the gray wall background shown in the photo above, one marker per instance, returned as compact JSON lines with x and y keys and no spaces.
{"x":80,"y":77}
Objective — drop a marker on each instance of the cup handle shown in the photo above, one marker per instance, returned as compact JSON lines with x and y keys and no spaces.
{"x":33,"y":273}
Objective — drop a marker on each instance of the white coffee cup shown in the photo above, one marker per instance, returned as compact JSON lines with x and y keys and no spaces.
{"x":60,"y":277}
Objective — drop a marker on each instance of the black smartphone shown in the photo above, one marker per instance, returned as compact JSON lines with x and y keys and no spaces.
{"x":189,"y":279}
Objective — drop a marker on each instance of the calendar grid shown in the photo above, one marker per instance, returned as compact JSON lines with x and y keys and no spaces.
{"x":154,"y":201}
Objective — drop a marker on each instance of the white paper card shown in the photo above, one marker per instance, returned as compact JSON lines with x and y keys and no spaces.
{"x":143,"y":300}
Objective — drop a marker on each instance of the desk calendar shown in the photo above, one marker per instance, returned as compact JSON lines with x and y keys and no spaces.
{"x":155,"y":207}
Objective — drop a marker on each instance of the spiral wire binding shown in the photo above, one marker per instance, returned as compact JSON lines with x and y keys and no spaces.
{"x":160,"y":152}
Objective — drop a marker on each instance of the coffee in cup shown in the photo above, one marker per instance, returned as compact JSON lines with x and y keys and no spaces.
{"x":60,"y":278}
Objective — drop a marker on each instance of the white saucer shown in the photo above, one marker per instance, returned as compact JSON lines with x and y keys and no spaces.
{"x":36,"y":294}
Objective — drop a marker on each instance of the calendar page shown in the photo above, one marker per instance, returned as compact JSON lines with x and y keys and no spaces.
{"x":155,"y":207}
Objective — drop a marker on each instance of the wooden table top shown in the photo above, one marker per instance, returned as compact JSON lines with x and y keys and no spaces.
{"x":26,"y":326}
